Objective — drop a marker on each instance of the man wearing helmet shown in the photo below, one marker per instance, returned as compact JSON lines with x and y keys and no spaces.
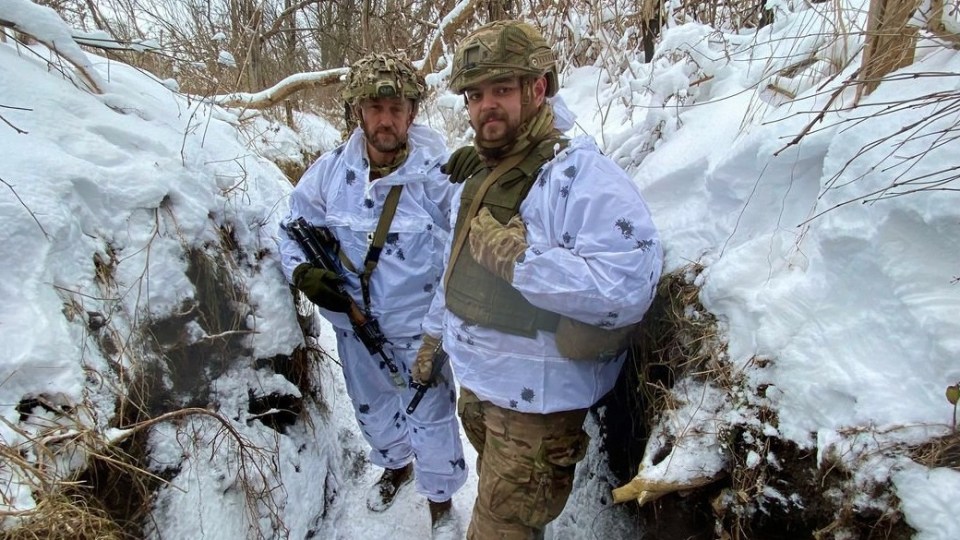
{"x":553,"y":259}
{"x":383,"y":197}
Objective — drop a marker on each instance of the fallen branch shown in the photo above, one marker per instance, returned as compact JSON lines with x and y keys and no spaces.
{"x":280,"y":91}
{"x":645,"y":490}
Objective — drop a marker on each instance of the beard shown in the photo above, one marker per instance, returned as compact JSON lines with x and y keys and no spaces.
{"x":498,"y":135}
{"x":385,"y":140}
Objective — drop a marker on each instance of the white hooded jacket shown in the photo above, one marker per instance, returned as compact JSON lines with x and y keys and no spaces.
{"x":594,"y":255}
{"x":335,"y":193}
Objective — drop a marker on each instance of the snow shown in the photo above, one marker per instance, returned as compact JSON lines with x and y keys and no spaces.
{"x":834,"y":291}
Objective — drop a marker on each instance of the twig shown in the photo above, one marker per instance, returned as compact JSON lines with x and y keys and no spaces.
{"x":15,"y":128}
{"x":27,"y":207}
{"x":816,"y":119}
{"x":225,"y":334}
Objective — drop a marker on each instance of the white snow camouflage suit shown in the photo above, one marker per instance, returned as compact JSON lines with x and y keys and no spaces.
{"x":335,"y":193}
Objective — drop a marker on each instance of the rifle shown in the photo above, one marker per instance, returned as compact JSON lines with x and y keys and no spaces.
{"x":440,"y":358}
{"x":322,"y":250}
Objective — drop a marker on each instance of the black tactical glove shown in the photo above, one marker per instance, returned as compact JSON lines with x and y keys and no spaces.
{"x":321,"y":287}
{"x":463,"y":163}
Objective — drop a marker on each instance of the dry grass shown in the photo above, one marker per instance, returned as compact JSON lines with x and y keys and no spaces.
{"x":67,"y":515}
{"x":68,"y":505}
{"x":110,"y":496}
{"x":940,"y":452}
{"x":678,"y":338}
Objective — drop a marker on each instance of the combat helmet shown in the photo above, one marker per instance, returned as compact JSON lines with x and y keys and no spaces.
{"x":382,"y":75}
{"x":503,"y":48}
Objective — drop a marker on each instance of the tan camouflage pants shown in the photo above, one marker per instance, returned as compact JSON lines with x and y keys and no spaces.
{"x":526,"y":464}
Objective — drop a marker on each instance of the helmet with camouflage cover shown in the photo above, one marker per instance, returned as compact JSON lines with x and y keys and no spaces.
{"x":379,"y":75}
{"x":503,"y":48}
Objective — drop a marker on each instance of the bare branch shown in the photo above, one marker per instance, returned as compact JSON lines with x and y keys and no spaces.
{"x":85,"y":71}
{"x":460,"y":15}
{"x":276,"y":27}
{"x":27,"y":207}
{"x":280,"y":91}
{"x":821,"y":114}
{"x":15,"y":128}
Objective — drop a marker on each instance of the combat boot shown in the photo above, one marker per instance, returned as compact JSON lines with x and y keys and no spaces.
{"x":443,"y":522}
{"x":383,"y":493}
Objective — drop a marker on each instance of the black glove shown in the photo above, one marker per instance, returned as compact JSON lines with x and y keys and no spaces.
{"x":463,"y":163}
{"x":321,"y":287}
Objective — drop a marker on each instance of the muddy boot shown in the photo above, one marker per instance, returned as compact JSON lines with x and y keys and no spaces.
{"x":383,"y":493}
{"x":444,"y":524}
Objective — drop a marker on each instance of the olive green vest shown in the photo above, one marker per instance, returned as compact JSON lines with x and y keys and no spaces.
{"x":475,"y":294}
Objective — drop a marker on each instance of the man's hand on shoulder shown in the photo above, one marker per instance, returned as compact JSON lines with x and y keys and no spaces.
{"x":463,"y":163}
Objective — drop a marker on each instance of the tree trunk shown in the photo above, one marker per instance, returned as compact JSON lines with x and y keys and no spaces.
{"x":890,"y":42}
{"x":290,"y":55}
{"x":498,"y":10}
{"x":365,"y":25}
{"x":935,"y":23}
{"x":652,"y":16}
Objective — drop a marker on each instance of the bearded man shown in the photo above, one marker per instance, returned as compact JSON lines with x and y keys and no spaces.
{"x":553,"y":261}
{"x":382,"y":196}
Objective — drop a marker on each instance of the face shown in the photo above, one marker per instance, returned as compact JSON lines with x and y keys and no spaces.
{"x":385,"y":122}
{"x":496,"y":109}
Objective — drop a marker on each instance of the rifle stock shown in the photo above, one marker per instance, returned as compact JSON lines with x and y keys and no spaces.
{"x":322,"y":250}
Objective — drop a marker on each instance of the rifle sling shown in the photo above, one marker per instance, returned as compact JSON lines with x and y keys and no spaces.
{"x":376,"y":246}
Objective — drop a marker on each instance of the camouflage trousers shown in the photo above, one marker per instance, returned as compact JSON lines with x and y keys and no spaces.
{"x":525,"y":463}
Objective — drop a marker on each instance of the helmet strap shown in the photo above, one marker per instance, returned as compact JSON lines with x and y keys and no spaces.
{"x":527,"y":111}
{"x":526,"y":91}
{"x":528,"y":97}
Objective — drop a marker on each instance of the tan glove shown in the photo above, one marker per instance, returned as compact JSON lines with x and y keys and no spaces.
{"x":497,"y":247}
{"x":423,"y":365}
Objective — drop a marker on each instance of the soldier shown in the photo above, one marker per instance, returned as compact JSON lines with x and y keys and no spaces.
{"x":554,"y":259}
{"x":385,"y":179}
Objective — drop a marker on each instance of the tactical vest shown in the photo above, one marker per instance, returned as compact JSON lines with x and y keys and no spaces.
{"x":475,"y":294}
